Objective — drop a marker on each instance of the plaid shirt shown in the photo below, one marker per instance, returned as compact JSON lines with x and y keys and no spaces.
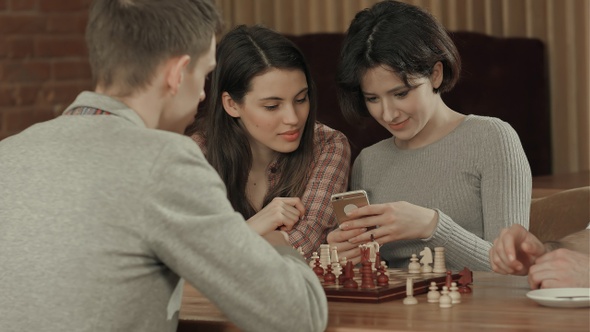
{"x":85,"y":111}
{"x":328,"y":175}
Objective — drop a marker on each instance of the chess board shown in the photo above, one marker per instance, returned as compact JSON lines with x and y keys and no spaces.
{"x":395,"y":290}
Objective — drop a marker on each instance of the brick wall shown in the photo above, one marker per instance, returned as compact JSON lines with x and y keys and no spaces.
{"x":43,"y":60}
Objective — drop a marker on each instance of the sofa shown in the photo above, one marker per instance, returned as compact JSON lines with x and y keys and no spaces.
{"x":501,"y":77}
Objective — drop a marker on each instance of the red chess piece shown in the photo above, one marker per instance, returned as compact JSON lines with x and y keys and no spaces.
{"x":465,"y":280}
{"x":382,"y":279}
{"x":377,"y":263}
{"x":329,"y":277}
{"x":367,"y":278}
{"x":349,"y":281}
{"x":319,"y":271}
{"x":346,"y":274}
{"x":342,"y":278}
{"x":449,"y":279}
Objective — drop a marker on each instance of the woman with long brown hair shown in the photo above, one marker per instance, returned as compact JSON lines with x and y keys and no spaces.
{"x":259,"y":132}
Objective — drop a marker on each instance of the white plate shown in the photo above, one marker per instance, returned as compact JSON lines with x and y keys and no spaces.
{"x":561,"y":297}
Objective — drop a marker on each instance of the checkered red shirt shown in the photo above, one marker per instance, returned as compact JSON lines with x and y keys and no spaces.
{"x":328,"y":175}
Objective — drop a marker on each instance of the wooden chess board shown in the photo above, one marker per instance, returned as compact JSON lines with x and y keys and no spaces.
{"x":395,"y":290}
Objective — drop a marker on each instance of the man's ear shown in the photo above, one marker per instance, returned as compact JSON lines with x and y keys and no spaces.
{"x":437,"y":75}
{"x":230,"y":106}
{"x":175,"y":73}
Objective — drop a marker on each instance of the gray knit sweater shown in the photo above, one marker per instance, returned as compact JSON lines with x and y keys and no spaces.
{"x":477,"y":178}
{"x":100,"y":217}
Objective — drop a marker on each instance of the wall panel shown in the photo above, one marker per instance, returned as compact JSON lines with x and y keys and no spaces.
{"x":561,"y":24}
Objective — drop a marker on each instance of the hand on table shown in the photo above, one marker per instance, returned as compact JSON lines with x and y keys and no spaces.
{"x":560,"y":268}
{"x":281,"y":213}
{"x":515,"y":251}
{"x":395,"y":221}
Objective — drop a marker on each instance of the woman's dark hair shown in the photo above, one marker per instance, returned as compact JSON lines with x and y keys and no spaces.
{"x":397,"y":35}
{"x":242,"y":54}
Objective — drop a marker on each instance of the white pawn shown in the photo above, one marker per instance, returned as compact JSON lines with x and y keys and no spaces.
{"x":454,"y":293}
{"x":385,"y":270}
{"x":410,"y":299}
{"x":343,"y":262}
{"x":300,"y":251}
{"x":414,"y":266}
{"x":433,"y":295}
{"x":314,"y":256}
{"x":445,"y":300}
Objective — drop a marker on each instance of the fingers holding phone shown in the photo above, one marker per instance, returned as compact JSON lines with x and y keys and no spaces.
{"x":344,"y":203}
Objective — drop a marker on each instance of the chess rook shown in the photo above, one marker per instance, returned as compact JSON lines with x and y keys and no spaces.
{"x":439,"y":260}
{"x":325,"y":255}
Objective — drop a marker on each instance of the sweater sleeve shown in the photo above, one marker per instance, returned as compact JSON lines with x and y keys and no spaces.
{"x":328,"y":176}
{"x":506,"y":187}
{"x":199,"y":236}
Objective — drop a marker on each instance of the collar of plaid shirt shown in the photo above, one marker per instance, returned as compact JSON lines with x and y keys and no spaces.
{"x":84,"y":110}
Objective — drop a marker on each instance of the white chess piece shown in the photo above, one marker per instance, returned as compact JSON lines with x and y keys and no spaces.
{"x":373,"y":250}
{"x":336,"y":269}
{"x":325,"y":255}
{"x":343,"y":262}
{"x":410,"y":299}
{"x":433,"y":295}
{"x":445,"y":300}
{"x":439,"y":260}
{"x":386,"y":271}
{"x":426,"y":260}
{"x":454,"y":293}
{"x":314,"y":256}
{"x":414,"y":266}
{"x":334,"y":256}
{"x":300,"y":251}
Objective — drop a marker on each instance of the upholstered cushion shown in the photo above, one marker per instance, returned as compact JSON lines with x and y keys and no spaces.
{"x":560,"y":214}
{"x":502,"y":77}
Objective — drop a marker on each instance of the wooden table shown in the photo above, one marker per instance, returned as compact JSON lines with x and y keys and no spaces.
{"x":550,"y":184}
{"x":498,"y":303}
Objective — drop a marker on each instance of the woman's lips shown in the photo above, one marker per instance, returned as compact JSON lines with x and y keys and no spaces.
{"x":399,"y":125}
{"x":291,"y":135}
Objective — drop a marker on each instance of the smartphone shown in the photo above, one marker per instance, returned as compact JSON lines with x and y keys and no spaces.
{"x":347,"y":201}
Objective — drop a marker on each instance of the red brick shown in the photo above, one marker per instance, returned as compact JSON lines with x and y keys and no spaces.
{"x":20,"y":95}
{"x":21,"y":23}
{"x":61,"y":94}
{"x":3,"y":46}
{"x":74,"y":69}
{"x":60,"y":47}
{"x":20,"y":47}
{"x":5,"y":98}
{"x":27,"y":71}
{"x":20,"y":118}
{"x":72,"y":23}
{"x":23,"y":5}
{"x":64,"y":5}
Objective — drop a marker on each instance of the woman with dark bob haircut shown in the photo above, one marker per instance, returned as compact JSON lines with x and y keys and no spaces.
{"x":259,"y":132}
{"x":443,"y":179}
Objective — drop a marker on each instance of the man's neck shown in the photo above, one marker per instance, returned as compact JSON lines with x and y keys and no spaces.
{"x":145,"y":103}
